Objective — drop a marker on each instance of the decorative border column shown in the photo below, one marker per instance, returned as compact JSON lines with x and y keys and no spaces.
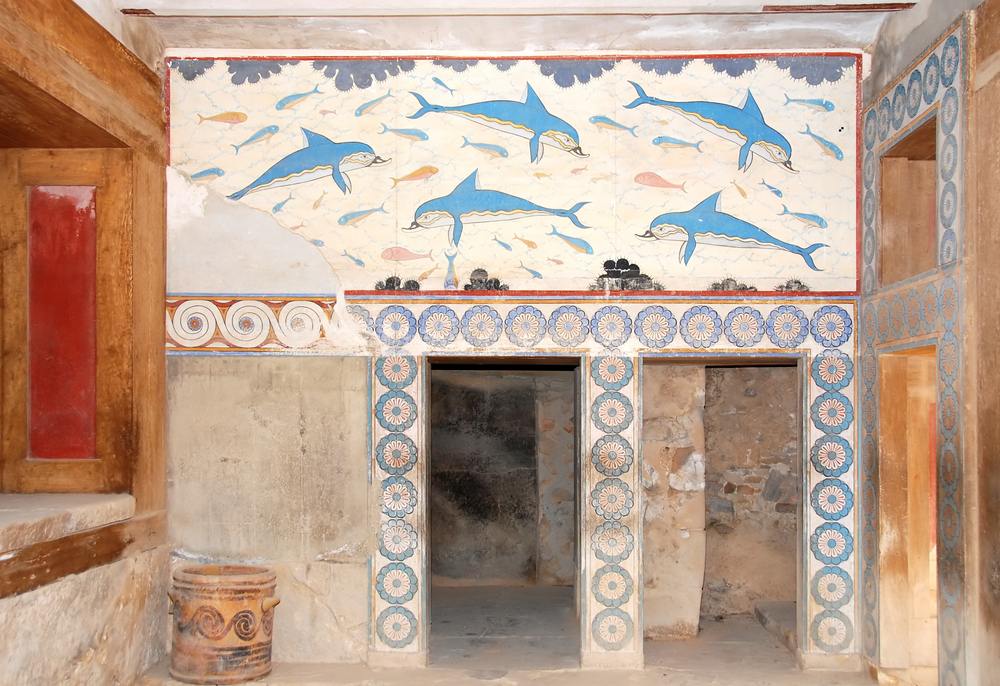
{"x":611,"y":515}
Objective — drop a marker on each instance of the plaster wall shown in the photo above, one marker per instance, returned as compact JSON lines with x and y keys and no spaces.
{"x":267,"y":463}
{"x":105,"y":626}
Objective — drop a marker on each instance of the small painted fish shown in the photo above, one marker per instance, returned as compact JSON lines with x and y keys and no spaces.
{"x":657,"y":181}
{"x":423,"y":173}
{"x":277,"y":208}
{"x":354,"y":259}
{"x":742,"y":192}
{"x":291,"y":101}
{"x":605,"y":123}
{"x":319,"y":201}
{"x":401,"y":254}
{"x":666,"y":142}
{"x":535,"y":274}
{"x":370,"y":105}
{"x":816,"y":104}
{"x":408,"y":134}
{"x":810,"y":219}
{"x":262,"y":135}
{"x":827,"y":147}
{"x":428,"y":272}
{"x":354,"y":217}
{"x":296,"y":228}
{"x":450,"y":279}
{"x":212,"y":173}
{"x":443,"y":85}
{"x":577,"y":244}
{"x":602,"y":177}
{"x":325,"y":112}
{"x":531,"y":244}
{"x":317,"y":242}
{"x":552,"y":259}
{"x":231,"y":118}
{"x":577,"y":170}
{"x":771,"y":188}
{"x":663,"y":122}
{"x":542,"y":175}
{"x":491,"y":150}
{"x":502,"y":244}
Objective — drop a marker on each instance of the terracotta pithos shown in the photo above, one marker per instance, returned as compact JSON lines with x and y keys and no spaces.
{"x":223,"y":621}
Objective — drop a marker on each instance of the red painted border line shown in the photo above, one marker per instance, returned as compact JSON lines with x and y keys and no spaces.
{"x":873,"y":7}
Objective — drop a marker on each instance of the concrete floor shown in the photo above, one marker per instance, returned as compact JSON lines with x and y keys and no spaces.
{"x":529,"y":636}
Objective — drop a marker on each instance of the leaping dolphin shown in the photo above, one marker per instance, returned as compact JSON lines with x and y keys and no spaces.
{"x":320,"y":158}
{"x":743,"y":125}
{"x":467,"y":204}
{"x":713,"y":227}
{"x":528,"y":119}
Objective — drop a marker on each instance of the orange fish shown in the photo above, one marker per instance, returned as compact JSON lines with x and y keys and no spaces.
{"x":230,"y":118}
{"x":657,"y":181}
{"x":400,"y":254}
{"x":531,"y":244}
{"x":422,"y":173}
{"x":577,"y":170}
{"x":552,"y":259}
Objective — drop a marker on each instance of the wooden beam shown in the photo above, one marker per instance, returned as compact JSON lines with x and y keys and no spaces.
{"x":870,"y":7}
{"x":40,"y":564}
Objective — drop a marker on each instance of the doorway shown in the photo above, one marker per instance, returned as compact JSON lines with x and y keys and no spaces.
{"x":502,"y":514}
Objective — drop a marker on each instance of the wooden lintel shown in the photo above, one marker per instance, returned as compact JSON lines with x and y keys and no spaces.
{"x":869,"y":7}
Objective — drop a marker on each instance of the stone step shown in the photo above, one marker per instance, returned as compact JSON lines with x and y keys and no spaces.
{"x":779,"y":617}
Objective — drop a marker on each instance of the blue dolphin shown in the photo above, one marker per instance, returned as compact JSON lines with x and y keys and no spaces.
{"x":528,"y":119}
{"x":713,"y":227}
{"x":467,"y":204}
{"x":742,"y":125}
{"x":320,"y":158}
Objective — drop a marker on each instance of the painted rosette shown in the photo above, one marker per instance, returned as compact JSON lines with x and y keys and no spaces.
{"x":396,"y":583}
{"x":568,"y":326}
{"x":950,"y":59}
{"x":929,"y":303}
{"x":612,"y":586}
{"x":396,"y":627}
{"x":914,"y":93}
{"x":611,"y":412}
{"x":832,"y":588}
{"x":612,"y":628}
{"x":612,"y":455}
{"x":870,"y":129}
{"x":395,"y":325}
{"x":831,"y":631}
{"x":744,"y":327}
{"x":832,"y":370}
{"x":396,"y":371}
{"x":912,"y":312}
{"x":396,"y":454}
{"x":948,"y":404}
{"x":949,"y":111}
{"x":362,"y":318}
{"x":831,"y":543}
{"x":611,"y":326}
{"x":399,"y":498}
{"x":612,"y":499}
{"x":397,"y":540}
{"x":898,"y":106}
{"x":787,"y":326}
{"x":932,"y":78}
{"x":438,"y":325}
{"x":612,"y":542}
{"x":831,"y":326}
{"x":701,"y":327}
{"x":949,"y":302}
{"x":884,"y":118}
{"x":832,"y":499}
{"x":612,"y":373}
{"x":832,"y":456}
{"x":481,"y":326}
{"x":525,"y":326}
{"x":396,"y":411}
{"x":655,"y":326}
{"x":832,"y":412}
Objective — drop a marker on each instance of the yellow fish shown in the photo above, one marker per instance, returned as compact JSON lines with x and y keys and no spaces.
{"x":542,"y":175}
{"x":662,"y":121}
{"x":319,"y":201}
{"x":602,"y":177}
{"x":531,"y":244}
{"x":428,"y":272}
{"x":230,"y":118}
{"x":742,"y":192}
{"x":422,"y":173}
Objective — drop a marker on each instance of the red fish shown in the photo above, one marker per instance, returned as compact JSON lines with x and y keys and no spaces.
{"x":657,"y":181}
{"x":577,"y":170}
{"x":400,"y":254}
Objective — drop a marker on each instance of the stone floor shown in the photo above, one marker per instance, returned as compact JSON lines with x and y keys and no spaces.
{"x":515,"y":637}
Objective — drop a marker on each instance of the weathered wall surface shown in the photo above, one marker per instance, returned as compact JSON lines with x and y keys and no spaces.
{"x":673,"y":450}
{"x":751,"y":486}
{"x":105,"y":626}
{"x":556,"y":446}
{"x":267,"y":463}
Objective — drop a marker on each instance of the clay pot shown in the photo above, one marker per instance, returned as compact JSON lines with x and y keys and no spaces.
{"x":223,"y":620}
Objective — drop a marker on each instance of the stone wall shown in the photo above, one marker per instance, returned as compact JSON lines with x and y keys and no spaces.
{"x":267,"y":464}
{"x":751,"y":487}
{"x":105,"y":626}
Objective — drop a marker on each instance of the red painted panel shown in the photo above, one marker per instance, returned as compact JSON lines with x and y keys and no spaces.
{"x":62,"y":322}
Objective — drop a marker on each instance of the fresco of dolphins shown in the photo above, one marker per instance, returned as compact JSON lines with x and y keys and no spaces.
{"x":742,"y":125}
{"x":467,"y":204}
{"x":319,"y":159}
{"x":707,"y":224}
{"x":528,"y":119}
